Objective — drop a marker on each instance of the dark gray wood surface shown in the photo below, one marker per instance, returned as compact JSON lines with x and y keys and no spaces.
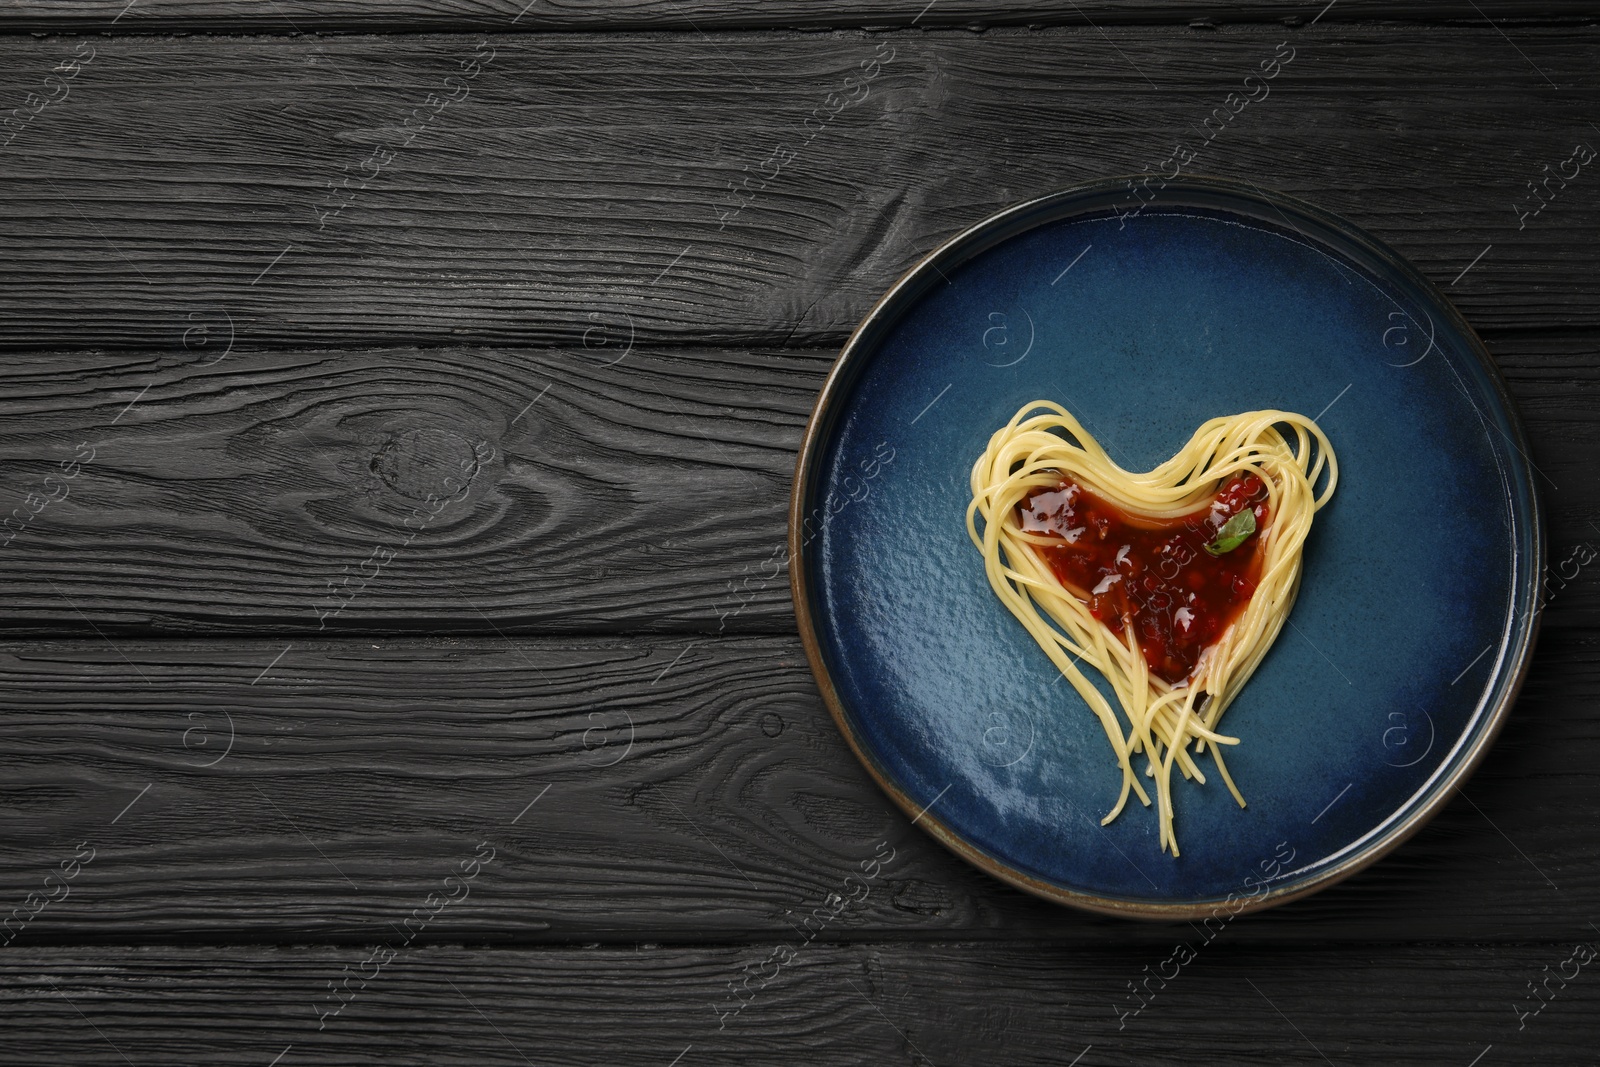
{"x":697,"y":16}
{"x":845,"y":1004}
{"x":643,"y":494}
{"x":192,"y":181}
{"x":540,"y":311}
{"x":697,"y":791}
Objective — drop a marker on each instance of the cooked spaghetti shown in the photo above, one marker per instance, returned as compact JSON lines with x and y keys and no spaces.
{"x":1172,"y":583}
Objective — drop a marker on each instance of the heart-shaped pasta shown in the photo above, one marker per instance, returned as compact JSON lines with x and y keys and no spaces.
{"x":1194,"y":568}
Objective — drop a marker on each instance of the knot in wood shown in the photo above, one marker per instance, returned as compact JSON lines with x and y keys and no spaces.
{"x":427,"y":462}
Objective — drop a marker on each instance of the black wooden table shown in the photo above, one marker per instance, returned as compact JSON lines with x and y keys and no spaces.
{"x":398,"y":412}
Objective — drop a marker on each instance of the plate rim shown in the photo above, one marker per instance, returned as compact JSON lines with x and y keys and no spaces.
{"x":1521,"y":645}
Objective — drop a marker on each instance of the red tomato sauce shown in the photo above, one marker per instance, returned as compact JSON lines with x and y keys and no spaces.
{"x":1153,"y":573}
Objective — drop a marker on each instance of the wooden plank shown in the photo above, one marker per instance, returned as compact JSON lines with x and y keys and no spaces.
{"x":181,"y":180}
{"x":867,"y":1003}
{"x":637,"y":789}
{"x":293,"y":491}
{"x":644,"y":491}
{"x":390,"y":16}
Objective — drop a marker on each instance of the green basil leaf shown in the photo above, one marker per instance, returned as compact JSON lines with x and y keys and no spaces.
{"x":1233,"y":533}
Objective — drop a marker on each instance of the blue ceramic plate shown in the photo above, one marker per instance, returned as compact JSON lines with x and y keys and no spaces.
{"x":1416,"y":612}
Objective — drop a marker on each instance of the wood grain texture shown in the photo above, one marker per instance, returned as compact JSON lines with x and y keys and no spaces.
{"x":644,"y":491}
{"x":686,"y":792}
{"x":198,"y":176}
{"x":577,"y":490}
{"x":390,"y":16}
{"x":945,"y":1004}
